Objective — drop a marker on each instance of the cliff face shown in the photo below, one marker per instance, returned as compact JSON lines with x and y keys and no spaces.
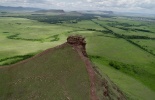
{"x":79,"y":42}
{"x":102,"y":88}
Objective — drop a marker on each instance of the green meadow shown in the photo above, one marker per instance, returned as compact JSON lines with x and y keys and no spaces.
{"x":19,"y":36}
{"x":122,"y":48}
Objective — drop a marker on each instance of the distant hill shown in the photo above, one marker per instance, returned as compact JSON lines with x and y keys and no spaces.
{"x":98,"y":12}
{"x":9,"y":8}
{"x":50,"y":11}
{"x":74,"y":13}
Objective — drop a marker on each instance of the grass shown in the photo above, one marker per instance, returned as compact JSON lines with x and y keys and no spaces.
{"x":32,"y":36}
{"x":133,"y":88}
{"x":29,"y":28}
{"x":51,"y":75}
{"x":138,"y":61}
{"x":86,"y":24}
{"x":148,"y":44}
{"x":116,"y":23}
{"x":120,"y":51}
{"x":123,"y":53}
{"x":139,"y":64}
{"x":132,"y":68}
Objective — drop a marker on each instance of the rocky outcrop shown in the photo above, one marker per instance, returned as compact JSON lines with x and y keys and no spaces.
{"x":79,"y":42}
{"x":101,"y":87}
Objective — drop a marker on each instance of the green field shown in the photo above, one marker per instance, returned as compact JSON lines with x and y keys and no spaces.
{"x":135,"y":64}
{"x":33,"y":37}
{"x":148,"y":44}
{"x":121,"y":47}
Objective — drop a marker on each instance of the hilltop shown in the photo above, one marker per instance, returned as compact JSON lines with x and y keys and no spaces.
{"x":98,"y":12}
{"x":10,"y":8}
{"x":50,"y":11}
{"x":60,"y":73}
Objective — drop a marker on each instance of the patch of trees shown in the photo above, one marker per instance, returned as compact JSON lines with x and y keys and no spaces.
{"x":107,"y":36}
{"x":142,"y":30}
{"x":127,"y":68}
{"x":115,"y":23}
{"x":19,"y":23}
{"x":3,"y":12}
{"x":94,"y":57}
{"x":133,"y":29}
{"x":105,"y":16}
{"x":12,"y":36}
{"x":88,"y":29}
{"x":127,"y":38}
{"x":15,"y":59}
{"x":59,"y":18}
{"x":126,"y":25}
{"x":143,"y":48}
{"x":136,"y":37}
{"x":56,"y":37}
{"x":37,"y":14}
{"x":15,"y":37}
{"x":5,"y":32}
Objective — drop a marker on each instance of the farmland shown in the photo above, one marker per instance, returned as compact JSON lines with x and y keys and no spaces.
{"x":121,"y":47}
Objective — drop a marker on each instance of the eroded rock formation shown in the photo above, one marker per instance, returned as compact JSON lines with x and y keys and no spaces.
{"x":79,"y":42}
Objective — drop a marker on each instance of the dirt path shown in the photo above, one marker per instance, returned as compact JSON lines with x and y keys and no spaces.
{"x":91,"y":73}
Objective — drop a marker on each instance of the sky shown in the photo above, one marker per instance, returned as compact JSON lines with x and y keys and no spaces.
{"x":135,"y":6}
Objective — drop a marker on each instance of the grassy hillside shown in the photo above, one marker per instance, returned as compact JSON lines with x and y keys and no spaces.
{"x":121,"y":47}
{"x":57,"y":73}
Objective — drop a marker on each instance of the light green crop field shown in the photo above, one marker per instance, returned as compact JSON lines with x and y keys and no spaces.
{"x":19,"y":36}
{"x":126,"y":61}
{"x":118,"y":22}
{"x":86,"y":24}
{"x":148,"y":44}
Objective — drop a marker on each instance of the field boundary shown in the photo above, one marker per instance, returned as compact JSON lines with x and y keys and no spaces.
{"x":123,"y":37}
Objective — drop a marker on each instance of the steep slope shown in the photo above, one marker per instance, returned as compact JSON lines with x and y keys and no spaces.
{"x":60,"y":73}
{"x":57,"y":73}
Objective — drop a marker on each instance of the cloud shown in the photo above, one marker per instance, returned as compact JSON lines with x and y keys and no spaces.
{"x":124,"y":5}
{"x":121,"y":5}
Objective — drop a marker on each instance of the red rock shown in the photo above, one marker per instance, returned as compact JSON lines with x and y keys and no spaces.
{"x":79,"y":42}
